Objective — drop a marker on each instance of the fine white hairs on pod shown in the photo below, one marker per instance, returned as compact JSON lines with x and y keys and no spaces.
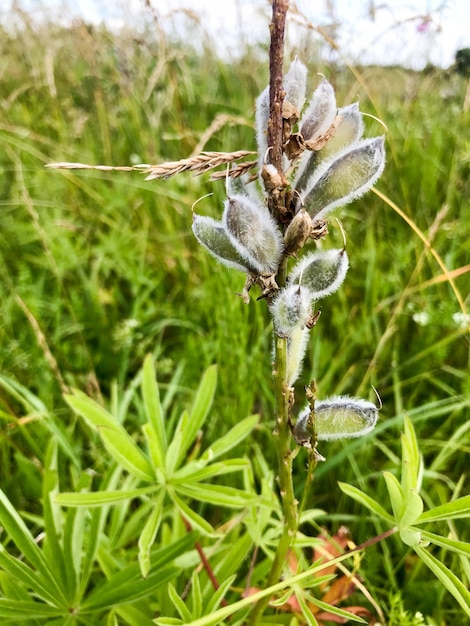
{"x":290,"y":309}
{"x":295,"y":82}
{"x":321,"y":272}
{"x":339,"y":417}
{"x":213,"y":236}
{"x":320,"y":113}
{"x":346,"y":178}
{"x":296,"y":345}
{"x":254,"y":233}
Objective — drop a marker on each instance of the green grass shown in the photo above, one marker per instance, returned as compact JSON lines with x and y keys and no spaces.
{"x":107,"y":266}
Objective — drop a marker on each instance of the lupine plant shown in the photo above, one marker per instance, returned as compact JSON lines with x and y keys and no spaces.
{"x":312,"y":159}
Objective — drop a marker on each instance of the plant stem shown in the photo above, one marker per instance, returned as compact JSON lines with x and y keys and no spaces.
{"x":284,"y":452}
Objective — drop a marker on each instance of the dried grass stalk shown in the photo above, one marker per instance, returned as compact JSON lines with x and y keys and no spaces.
{"x":198,"y":165}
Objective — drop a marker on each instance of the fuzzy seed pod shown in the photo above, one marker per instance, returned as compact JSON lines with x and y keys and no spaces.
{"x":213,"y":236}
{"x":254,"y":233}
{"x":290,"y":309}
{"x":261,"y":121}
{"x":320,"y":113}
{"x":297,"y":232}
{"x":321,"y":272}
{"x":296,"y":345}
{"x":340,"y":417}
{"x":295,"y":82}
{"x":346,"y":178}
{"x":347,"y":134}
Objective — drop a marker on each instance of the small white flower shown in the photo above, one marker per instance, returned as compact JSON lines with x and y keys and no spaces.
{"x":462,"y":320}
{"x":421,"y":318}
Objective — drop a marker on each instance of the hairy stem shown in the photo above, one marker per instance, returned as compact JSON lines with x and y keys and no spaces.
{"x":285,"y":456}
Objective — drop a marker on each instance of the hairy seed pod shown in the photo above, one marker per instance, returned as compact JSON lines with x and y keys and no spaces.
{"x":346,"y":178}
{"x":295,"y":82}
{"x":297,"y":232}
{"x":339,"y":417}
{"x":321,"y":272}
{"x":320,"y":113}
{"x":213,"y":236}
{"x":254,"y":233}
{"x":346,"y":135}
{"x":290,"y":309}
{"x":261,"y":122}
{"x":296,"y":345}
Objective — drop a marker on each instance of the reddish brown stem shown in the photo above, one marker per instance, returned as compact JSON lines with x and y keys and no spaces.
{"x":204,"y":560}
{"x":276,"y":91}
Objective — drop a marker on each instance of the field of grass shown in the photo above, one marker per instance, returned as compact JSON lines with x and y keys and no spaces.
{"x":99,"y":269}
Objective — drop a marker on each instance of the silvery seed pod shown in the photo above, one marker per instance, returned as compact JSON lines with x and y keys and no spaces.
{"x":290,"y":309}
{"x":297,"y":232}
{"x":213,"y":236}
{"x":321,"y":272}
{"x":347,"y":133}
{"x":261,"y":123}
{"x":346,"y":178}
{"x":254,"y":233}
{"x":295,"y":82}
{"x":296,"y":345}
{"x":340,"y":417}
{"x":320,"y":113}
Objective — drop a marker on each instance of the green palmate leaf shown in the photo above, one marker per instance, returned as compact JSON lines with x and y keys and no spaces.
{"x":460,"y":547}
{"x":149,"y":532}
{"x":395,"y":493}
{"x":411,"y":459}
{"x":28,"y":578}
{"x":365,"y":500}
{"x":20,"y":610}
{"x":128,"y":585}
{"x":100,"y":498}
{"x":233,"y":437}
{"x":455,"y":509}
{"x":450,"y":581}
{"x":197,"y":522}
{"x":154,"y":412}
{"x":19,"y":533}
{"x":115,"y":438}
{"x":217,"y":494}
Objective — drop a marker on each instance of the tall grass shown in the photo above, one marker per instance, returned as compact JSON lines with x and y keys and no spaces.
{"x":98,"y":269}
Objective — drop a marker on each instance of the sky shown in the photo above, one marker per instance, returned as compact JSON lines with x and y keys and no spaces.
{"x":407,"y":32}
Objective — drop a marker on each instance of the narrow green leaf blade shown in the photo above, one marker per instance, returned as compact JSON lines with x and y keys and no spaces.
{"x":455,"y":509}
{"x":149,"y":532}
{"x":454,"y":545}
{"x":101,"y":498}
{"x":200,"y":409}
{"x":220,"y":495}
{"x":365,"y":500}
{"x":234,"y":436}
{"x":395,"y":493}
{"x":179,"y":604}
{"x":116,"y":439}
{"x":153,"y":407}
{"x":196,"y":520}
{"x":450,"y":581}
